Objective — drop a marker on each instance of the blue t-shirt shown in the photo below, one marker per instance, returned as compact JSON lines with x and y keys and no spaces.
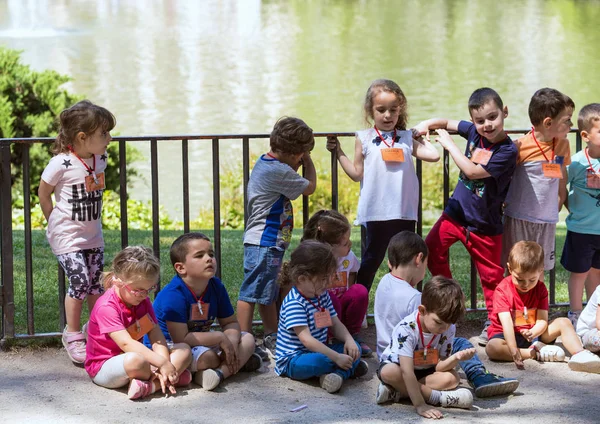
{"x":477,"y":204}
{"x":296,"y":311}
{"x":584,"y":201}
{"x":174,"y":302}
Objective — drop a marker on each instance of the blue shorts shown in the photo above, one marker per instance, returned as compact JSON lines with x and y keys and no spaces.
{"x":581,"y":252}
{"x":261,"y":269}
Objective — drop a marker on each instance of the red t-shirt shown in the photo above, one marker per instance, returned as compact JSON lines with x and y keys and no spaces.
{"x":508,"y":299}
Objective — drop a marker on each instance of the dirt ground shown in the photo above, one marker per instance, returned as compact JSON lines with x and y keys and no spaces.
{"x":42,"y":385}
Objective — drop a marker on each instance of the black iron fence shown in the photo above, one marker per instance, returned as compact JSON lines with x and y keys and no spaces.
{"x":6,"y":228}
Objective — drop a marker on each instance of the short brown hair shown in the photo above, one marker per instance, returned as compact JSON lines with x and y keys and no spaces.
{"x":310,"y":258}
{"x":548,"y":103}
{"x":588,"y":115}
{"x":292,"y":136}
{"x":403,"y":248}
{"x":480,"y":97}
{"x":179,"y":248}
{"x":526,"y":256}
{"x":444,"y":297}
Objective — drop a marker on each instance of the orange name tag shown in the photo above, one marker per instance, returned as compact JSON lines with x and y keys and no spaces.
{"x":593,"y":179}
{"x":392,"y":154}
{"x":421,"y":359}
{"x":93,"y":184}
{"x":481,"y":156}
{"x":340,"y":280}
{"x":322,"y":319}
{"x":199,"y":311}
{"x":552,"y":170}
{"x":141,"y":327}
{"x":525,"y":317}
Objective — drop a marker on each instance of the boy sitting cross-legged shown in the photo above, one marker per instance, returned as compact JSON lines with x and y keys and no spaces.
{"x":419,"y":363}
{"x":520,"y":328}
{"x":189,"y":304}
{"x":396,"y":298}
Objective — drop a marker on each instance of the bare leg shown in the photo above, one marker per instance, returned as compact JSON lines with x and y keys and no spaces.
{"x":592,"y":281}
{"x":497,"y":350}
{"x":180,"y":357}
{"x":563,"y":327}
{"x":245,"y":350}
{"x":91,"y":301}
{"x":73,"y":313}
{"x":576,"y":284}
{"x":268,"y":313}
{"x":245,"y":313}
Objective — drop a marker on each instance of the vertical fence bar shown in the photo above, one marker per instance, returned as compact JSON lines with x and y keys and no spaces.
{"x":62,"y":317}
{"x":446,"y":177}
{"x":216,"y":203}
{"x":246,"y":174}
{"x":334,"y":181}
{"x":186,"y":185}
{"x":553,"y":286}
{"x":420,"y":211}
{"x":155,"y":201}
{"x":305,"y":211}
{"x":7,"y":282}
{"x":578,"y":141}
{"x":123,"y":192}
{"x":473,"y":285}
{"x":28,"y":256}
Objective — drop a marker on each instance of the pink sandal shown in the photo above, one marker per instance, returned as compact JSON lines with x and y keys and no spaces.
{"x":74,"y":343}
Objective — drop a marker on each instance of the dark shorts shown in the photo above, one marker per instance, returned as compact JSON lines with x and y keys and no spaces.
{"x":418,"y":373}
{"x":522,"y":342}
{"x":581,"y":252}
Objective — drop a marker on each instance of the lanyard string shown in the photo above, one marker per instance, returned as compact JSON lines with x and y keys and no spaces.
{"x":198,"y":301}
{"x":310,"y":301}
{"x":481,"y":144}
{"x":591,"y":168}
{"x":421,"y":334}
{"x":394,"y":135}
{"x":90,"y":170}
{"x":540,"y":147}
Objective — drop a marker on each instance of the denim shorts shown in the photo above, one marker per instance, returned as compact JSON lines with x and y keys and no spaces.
{"x":261,"y":269}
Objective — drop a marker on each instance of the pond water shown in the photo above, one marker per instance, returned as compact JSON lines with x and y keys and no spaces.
{"x":225,"y":66}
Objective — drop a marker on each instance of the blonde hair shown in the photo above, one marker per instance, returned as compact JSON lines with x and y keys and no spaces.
{"x":388,"y":86}
{"x":588,"y":116}
{"x":526,"y":256}
{"x":84,"y":116}
{"x":134,"y":263}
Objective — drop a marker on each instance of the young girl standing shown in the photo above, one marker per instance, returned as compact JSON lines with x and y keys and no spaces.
{"x":76,"y":177}
{"x":389,"y":195}
{"x":118,"y":323}
{"x":306,"y":314}
{"x":350,"y":300}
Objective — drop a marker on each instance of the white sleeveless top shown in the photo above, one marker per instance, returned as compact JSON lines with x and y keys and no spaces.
{"x":388,"y":190}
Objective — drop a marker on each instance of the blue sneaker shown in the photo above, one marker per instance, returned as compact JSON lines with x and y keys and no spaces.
{"x":488,"y":384}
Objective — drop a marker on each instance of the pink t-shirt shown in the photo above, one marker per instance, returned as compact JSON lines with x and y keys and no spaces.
{"x":110,"y":314}
{"x":76,"y":220}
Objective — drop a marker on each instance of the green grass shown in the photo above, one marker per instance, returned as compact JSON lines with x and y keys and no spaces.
{"x":45,"y":270}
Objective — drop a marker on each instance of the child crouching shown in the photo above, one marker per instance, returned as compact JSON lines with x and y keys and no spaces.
{"x":306,"y":314}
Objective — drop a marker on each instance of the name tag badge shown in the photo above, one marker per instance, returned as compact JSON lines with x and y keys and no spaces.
{"x":141,"y":327}
{"x":340,"y":280}
{"x":481,"y":156}
{"x":322,"y":319}
{"x":552,"y":170}
{"x":525,"y":317}
{"x":94,"y":183}
{"x":592,"y":180}
{"x":392,"y":154}
{"x":426,"y":357}
{"x":199,"y":311}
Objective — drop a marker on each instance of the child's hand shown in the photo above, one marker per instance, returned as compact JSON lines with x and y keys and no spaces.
{"x":332,"y":143}
{"x":428,"y":411}
{"x":444,"y":138}
{"x":421,"y":130}
{"x":167,"y":375}
{"x":463,"y":355}
{"x":230,"y":354}
{"x":351,"y":349}
{"x":343,"y":361}
{"x":418,"y":135}
{"x":527,"y":334}
{"x":517,"y":359}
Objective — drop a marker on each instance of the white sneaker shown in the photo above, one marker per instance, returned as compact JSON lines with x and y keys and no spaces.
{"x":573,"y":317}
{"x":386,"y":393}
{"x":548,"y":353}
{"x":459,"y":398}
{"x":365,"y":324}
{"x":585,"y":361}
{"x":331,"y":382}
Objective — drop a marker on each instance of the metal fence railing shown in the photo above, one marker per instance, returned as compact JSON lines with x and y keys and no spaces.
{"x":7,"y":259}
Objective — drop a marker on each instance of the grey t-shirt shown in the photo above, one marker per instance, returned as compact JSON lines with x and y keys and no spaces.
{"x":272,"y":187}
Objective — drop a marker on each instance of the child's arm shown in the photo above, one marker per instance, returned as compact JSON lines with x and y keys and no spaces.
{"x":414,"y":390}
{"x":562,"y":188}
{"x":452,"y":361}
{"x":340,"y":332}
{"x":159,"y":346}
{"x":436,"y":123}
{"x":539,"y":328}
{"x":424,"y":150}
{"x":310,"y":174}
{"x":341,"y":360}
{"x":471,"y":170}
{"x":45,"y":194}
{"x":353,"y":169}
{"x":509,"y":336}
{"x":231,"y":329}
{"x":180,"y":334}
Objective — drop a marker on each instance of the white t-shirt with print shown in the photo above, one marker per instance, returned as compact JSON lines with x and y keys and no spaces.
{"x":346,"y":265}
{"x":587,"y":319}
{"x":406,"y":340}
{"x":76,"y":220}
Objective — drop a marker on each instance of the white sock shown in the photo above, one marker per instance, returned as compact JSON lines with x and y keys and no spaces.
{"x":434,"y":397}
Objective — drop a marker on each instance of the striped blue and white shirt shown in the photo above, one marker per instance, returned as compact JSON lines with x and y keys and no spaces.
{"x":296,"y":311}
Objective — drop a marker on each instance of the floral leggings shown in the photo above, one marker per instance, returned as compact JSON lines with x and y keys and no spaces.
{"x":591,"y":340}
{"x":83,"y":269}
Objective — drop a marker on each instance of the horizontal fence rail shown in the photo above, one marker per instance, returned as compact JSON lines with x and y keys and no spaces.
{"x":6,"y":230}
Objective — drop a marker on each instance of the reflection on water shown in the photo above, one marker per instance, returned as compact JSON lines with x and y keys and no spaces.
{"x":225,"y":66}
